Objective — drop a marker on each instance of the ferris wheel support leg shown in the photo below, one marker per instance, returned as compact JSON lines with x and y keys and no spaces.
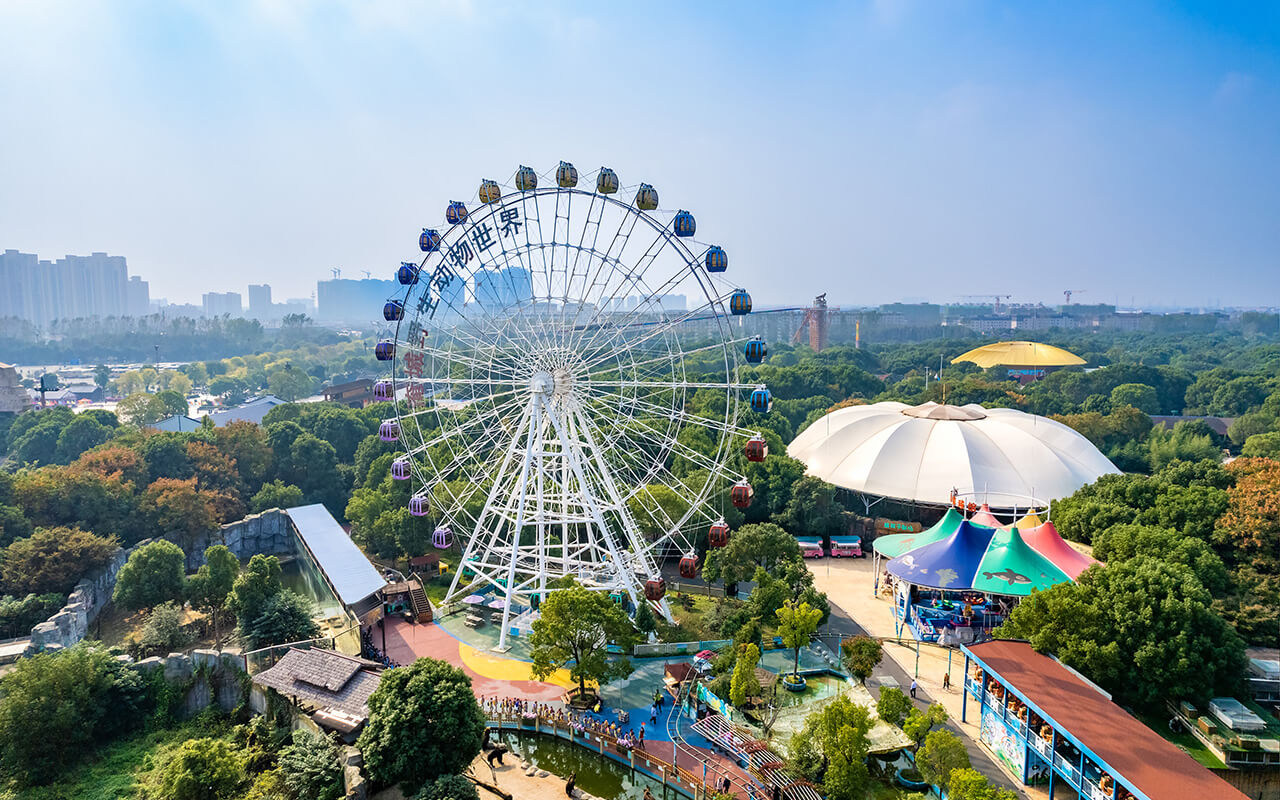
{"x":638,"y":545}
{"x":622,"y":577}
{"x":535,"y":423}
{"x":473,"y":542}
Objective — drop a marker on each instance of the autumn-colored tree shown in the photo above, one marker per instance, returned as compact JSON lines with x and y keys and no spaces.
{"x":52,"y":560}
{"x":214,"y":470}
{"x":114,"y":461}
{"x":64,"y":496}
{"x":246,"y":444}
{"x":1250,"y":528}
{"x":179,"y":511}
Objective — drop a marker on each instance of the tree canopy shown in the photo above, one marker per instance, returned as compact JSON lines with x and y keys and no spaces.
{"x":424,"y":722}
{"x":154,"y":574}
{"x":576,"y":627}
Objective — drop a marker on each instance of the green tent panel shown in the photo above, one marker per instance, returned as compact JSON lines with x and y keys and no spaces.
{"x":895,"y":544}
{"x":1010,"y":566}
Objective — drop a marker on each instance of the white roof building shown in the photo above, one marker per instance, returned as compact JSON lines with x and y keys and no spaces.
{"x":1001,"y":456}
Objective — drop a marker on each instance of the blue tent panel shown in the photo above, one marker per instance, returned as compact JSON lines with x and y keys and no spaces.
{"x":947,"y":564}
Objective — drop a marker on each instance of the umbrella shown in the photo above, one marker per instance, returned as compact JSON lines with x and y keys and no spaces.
{"x":498,"y":603}
{"x":473,"y":599}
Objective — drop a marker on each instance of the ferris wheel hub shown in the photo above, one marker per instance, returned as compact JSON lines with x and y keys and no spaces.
{"x":542,"y":383}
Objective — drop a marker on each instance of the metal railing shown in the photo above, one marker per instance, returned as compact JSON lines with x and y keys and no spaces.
{"x":683,"y":781}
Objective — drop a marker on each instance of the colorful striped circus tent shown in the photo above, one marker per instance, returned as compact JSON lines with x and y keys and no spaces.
{"x":958,"y":555}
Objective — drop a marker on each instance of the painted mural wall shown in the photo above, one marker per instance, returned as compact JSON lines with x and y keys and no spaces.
{"x":1003,"y":741}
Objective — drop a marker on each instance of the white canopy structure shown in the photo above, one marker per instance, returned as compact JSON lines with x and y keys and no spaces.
{"x":1000,"y":456}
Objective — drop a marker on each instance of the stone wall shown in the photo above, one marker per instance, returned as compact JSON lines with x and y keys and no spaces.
{"x":269,"y":533}
{"x":71,"y":624}
{"x":207,"y":678}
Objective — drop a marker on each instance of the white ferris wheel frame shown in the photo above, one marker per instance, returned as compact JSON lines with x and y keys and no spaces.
{"x":560,"y":380}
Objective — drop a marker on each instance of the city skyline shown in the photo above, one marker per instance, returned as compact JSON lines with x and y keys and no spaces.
{"x":874,"y":150}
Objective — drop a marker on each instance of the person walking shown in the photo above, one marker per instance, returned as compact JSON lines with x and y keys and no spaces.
{"x":946,"y":682}
{"x":653,"y":714}
{"x":569,"y":784}
{"x":913,"y":688}
{"x":641,"y":740}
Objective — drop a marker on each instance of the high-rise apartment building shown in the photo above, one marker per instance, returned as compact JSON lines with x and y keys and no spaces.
{"x":218,"y":303}
{"x":73,"y":287}
{"x":139,"y":297}
{"x":260,"y":301}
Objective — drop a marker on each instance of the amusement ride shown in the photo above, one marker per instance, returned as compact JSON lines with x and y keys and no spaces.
{"x":554,"y":419}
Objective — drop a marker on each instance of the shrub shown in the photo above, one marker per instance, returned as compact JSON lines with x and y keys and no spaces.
{"x":201,"y":769}
{"x":163,"y":631}
{"x":310,"y":767}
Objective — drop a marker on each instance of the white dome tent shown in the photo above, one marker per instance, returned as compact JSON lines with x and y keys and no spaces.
{"x":920,"y":454}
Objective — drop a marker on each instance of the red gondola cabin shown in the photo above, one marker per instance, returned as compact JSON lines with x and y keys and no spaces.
{"x":655,"y":589}
{"x":718,"y":536}
{"x":741,"y":495}
{"x":689,"y":567}
{"x":757,"y":450}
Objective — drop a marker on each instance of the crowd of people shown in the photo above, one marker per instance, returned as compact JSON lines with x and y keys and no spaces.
{"x":579,"y":721}
{"x":371,"y":651}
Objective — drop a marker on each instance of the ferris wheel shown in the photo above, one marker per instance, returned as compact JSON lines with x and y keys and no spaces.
{"x":566,"y":374}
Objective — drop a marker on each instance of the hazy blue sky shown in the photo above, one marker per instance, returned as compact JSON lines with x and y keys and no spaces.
{"x":875,"y":150}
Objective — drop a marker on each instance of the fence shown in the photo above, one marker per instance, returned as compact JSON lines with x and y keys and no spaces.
{"x":678,"y":648}
{"x":347,"y":641}
{"x":677,"y":778}
{"x":698,"y":588}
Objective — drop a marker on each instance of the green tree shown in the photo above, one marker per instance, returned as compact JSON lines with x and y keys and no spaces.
{"x":575,"y":629}
{"x":58,"y":705}
{"x":310,"y":766}
{"x":1139,"y":395}
{"x":102,"y":375}
{"x":919,"y":723}
{"x":285,"y":617}
{"x":941,"y":754}
{"x":173,"y":403}
{"x":290,"y":384}
{"x":796,"y":623}
{"x":276,"y":494}
{"x":424,"y":722}
{"x":210,"y":586}
{"x":831,"y":749}
{"x":893,"y":705}
{"x":1125,"y":542}
{"x":644,"y":619}
{"x":1180,"y":444}
{"x":967,"y":783}
{"x":813,"y":509}
{"x":153,"y":575}
{"x":1143,"y":629}
{"x":163,"y":632}
{"x":861,"y":655}
{"x":201,"y":769}
{"x":761,"y":545}
{"x":81,"y":434}
{"x":1262,"y":445}
{"x":257,"y":583}
{"x":52,"y":560}
{"x":744,"y":683}
{"x":141,"y":408}
{"x":449,"y":787}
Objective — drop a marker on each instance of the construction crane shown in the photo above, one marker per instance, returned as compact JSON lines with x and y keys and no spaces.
{"x":815,"y":318}
{"x":1068,"y":292}
{"x":367,"y":274}
{"x":996,"y":297}
{"x":337,"y":273}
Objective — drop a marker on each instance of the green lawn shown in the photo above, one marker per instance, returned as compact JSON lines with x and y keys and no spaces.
{"x":1185,"y":741}
{"x":115,"y":771}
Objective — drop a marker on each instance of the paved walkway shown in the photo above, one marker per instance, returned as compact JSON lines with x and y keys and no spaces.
{"x":848,"y":584}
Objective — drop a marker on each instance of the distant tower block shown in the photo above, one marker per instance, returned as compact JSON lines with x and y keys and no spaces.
{"x":815,"y":318}
{"x":818,"y":324}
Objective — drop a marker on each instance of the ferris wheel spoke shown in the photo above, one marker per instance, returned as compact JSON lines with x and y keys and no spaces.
{"x":664,"y":356}
{"x":622,"y":403}
{"x":600,"y":382}
{"x":649,"y":330}
{"x":494,"y":414}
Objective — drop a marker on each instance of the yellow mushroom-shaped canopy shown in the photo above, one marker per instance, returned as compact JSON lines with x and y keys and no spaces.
{"x":1019,"y":354}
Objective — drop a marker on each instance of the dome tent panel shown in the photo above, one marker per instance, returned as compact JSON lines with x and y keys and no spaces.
{"x":949,"y":563}
{"x":895,"y":544}
{"x":1046,"y":541}
{"x":1010,"y":566}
